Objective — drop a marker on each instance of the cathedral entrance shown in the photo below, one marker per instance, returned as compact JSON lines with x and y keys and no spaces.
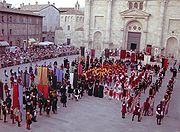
{"x":97,"y":41}
{"x":172,"y":47}
{"x":134,"y":36}
{"x":133,"y":42}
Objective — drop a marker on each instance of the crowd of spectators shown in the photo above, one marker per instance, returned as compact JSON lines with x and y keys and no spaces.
{"x":34,"y":54}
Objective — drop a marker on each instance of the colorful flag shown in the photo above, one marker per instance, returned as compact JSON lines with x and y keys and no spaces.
{"x":1,"y":90}
{"x":15,"y":96}
{"x":20,"y":93}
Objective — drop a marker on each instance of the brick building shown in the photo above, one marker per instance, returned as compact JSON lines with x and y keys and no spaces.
{"x":19,"y":27}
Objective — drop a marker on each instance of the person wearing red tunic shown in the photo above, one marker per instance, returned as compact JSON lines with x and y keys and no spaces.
{"x":110,"y":80}
{"x":146,"y":107}
{"x":123,"y":109}
{"x":28,"y":121}
{"x":130,"y":100}
{"x":111,"y":93}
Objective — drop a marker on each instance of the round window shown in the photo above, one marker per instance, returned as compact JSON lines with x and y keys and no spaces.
{"x":134,"y":27}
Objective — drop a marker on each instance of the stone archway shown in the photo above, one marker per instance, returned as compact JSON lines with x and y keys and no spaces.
{"x":97,"y":41}
{"x":172,"y":47}
{"x":133,"y":35}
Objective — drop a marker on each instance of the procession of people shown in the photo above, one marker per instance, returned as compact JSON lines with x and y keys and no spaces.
{"x":37,"y":90}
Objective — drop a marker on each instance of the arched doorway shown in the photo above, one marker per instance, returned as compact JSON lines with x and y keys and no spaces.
{"x":134,"y":29}
{"x":172,"y":47}
{"x":97,"y":41}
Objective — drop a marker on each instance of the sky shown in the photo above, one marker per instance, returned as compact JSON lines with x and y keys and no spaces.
{"x":58,"y":3}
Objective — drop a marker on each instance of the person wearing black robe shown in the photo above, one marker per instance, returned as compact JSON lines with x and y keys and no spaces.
{"x":90,"y":88}
{"x":64,"y":100}
{"x":174,"y":72}
{"x":54,"y":81}
{"x":101,"y":91}
{"x":96,"y":88}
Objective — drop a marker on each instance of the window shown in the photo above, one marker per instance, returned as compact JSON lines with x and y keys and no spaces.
{"x":69,"y":28}
{"x":65,"y":18}
{"x":77,"y":19}
{"x":130,"y":5}
{"x":10,"y":19}
{"x":136,"y":5}
{"x":141,"y":5}
{"x":3,"y":32}
{"x":2,"y":18}
{"x":10,"y":31}
{"x":68,"y":41}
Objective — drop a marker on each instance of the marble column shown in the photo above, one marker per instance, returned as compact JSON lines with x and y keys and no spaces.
{"x":161,"y":28}
{"x":87,"y":21}
{"x":108,"y":21}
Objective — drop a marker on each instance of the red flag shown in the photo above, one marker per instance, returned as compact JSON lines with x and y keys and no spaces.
{"x":123,"y":54}
{"x":15,"y":96}
{"x":45,"y":91}
{"x":133,"y":57}
{"x":40,"y":87}
{"x":92,"y":52}
{"x":165,"y":63}
{"x":79,"y":69}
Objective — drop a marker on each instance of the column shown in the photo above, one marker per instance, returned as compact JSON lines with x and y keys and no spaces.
{"x":108,"y":21}
{"x":87,"y":21}
{"x":162,"y":22}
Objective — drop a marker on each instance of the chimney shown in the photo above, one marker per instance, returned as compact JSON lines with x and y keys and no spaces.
{"x":48,"y":3}
{"x":53,"y":4}
{"x":29,"y":4}
{"x":36,"y":3}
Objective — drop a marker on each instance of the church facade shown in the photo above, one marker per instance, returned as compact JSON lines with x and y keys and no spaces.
{"x":133,"y":25}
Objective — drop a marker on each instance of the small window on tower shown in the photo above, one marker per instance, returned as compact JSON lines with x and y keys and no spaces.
{"x":69,"y":28}
{"x":136,"y":5}
{"x":130,"y":5}
{"x":141,"y":6}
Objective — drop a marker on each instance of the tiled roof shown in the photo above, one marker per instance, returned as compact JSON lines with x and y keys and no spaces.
{"x":17,"y":11}
{"x":70,"y":11}
{"x":34,"y":8}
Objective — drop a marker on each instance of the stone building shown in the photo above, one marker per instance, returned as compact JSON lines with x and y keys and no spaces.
{"x":51,"y":18}
{"x":5,"y":4}
{"x":133,"y":24}
{"x":19,"y":27}
{"x":71,"y":29}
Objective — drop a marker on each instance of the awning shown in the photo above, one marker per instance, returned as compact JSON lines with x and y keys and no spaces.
{"x":46,"y":43}
{"x":32,"y":40}
{"x":4,"y":43}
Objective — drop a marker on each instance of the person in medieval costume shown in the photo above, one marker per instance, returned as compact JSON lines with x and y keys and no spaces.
{"x":8,"y":103}
{"x":96,"y":88}
{"x":40,"y":102}
{"x":12,"y":115}
{"x":123,"y":109}
{"x":146,"y":107}
{"x":48,"y":107}
{"x":159,"y":113}
{"x":4,"y":111}
{"x":111,"y":93}
{"x":28,"y":121}
{"x":64,"y":100}
{"x":76,"y":94}
{"x":18,"y":117}
{"x":137,"y":111}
